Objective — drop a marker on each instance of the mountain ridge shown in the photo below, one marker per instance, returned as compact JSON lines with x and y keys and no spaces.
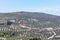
{"x":34,"y":18}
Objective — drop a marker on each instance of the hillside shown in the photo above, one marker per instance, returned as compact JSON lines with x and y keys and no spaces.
{"x":34,"y":19}
{"x":29,"y":24}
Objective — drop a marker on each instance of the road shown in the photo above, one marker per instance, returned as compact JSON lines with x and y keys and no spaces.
{"x":52,"y":35}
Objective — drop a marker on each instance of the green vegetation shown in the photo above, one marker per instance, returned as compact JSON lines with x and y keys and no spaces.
{"x":15,"y":36}
{"x":27,"y":25}
{"x":35,"y":39}
{"x":8,"y":34}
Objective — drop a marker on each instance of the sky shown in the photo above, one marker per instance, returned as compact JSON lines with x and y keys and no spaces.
{"x":47,"y":6}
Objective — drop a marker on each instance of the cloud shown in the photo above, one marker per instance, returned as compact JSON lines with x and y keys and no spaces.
{"x":50,"y":10}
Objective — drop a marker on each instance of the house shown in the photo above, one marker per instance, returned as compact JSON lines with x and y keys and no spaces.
{"x":3,"y":21}
{"x":1,"y":38}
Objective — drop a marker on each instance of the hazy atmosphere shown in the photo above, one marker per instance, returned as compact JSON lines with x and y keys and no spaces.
{"x":47,"y":6}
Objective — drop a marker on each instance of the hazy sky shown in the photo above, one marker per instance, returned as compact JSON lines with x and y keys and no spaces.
{"x":48,"y":6}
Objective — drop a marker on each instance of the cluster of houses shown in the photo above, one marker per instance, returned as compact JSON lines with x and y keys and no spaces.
{"x":6,"y":23}
{"x":9,"y":21}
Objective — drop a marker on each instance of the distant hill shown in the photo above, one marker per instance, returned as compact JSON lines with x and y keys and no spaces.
{"x":34,"y":19}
